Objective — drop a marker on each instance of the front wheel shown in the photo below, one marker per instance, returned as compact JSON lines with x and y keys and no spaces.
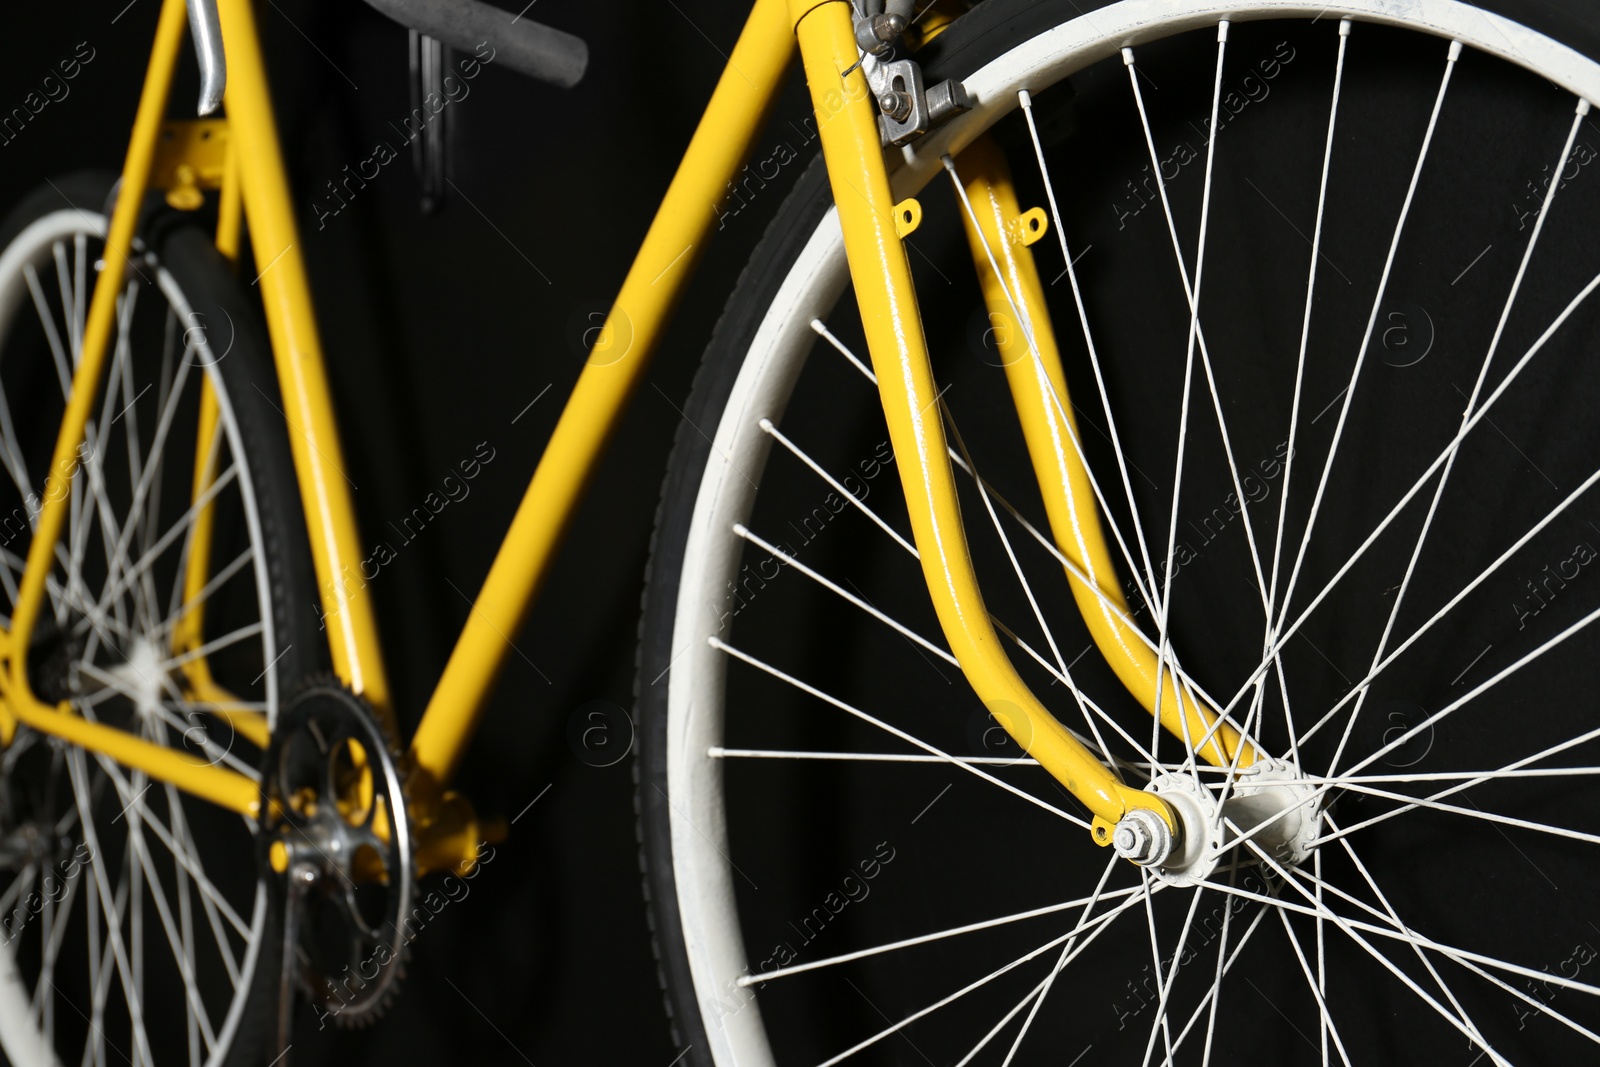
{"x":1323,"y":289}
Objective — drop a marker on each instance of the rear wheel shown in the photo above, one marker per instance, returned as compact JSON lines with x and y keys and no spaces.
{"x":1353,"y":503}
{"x":137,"y":926}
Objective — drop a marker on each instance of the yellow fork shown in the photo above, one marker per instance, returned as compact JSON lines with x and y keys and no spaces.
{"x":881,"y":271}
{"x":1026,"y":344}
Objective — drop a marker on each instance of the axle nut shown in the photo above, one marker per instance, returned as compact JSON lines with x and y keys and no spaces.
{"x":1143,"y":837}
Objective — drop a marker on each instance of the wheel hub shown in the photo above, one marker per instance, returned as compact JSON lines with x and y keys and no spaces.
{"x":1268,"y":810}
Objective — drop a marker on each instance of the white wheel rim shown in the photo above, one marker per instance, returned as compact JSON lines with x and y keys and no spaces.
{"x":703,"y":877}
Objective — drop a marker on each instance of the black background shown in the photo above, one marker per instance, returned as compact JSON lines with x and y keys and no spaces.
{"x":438,"y":331}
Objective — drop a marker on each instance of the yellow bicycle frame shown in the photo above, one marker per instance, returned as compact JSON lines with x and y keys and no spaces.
{"x":254,"y":185}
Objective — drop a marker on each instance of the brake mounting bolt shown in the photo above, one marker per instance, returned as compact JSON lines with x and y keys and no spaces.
{"x":897,"y":105}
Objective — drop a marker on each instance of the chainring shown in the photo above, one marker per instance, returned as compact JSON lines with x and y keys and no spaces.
{"x":336,"y":830}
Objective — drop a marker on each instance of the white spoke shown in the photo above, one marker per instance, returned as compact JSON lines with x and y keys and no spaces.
{"x":1027,"y":590}
{"x":1316,"y":991}
{"x":742,"y":531}
{"x":1305,"y":330}
{"x":1372,"y":321}
{"x":13,"y":453}
{"x":80,"y":290}
{"x":1208,"y":1002}
{"x":1101,"y":923}
{"x":186,"y":923}
{"x":58,"y":252}
{"x":716,"y":752}
{"x":213,"y":919}
{"x":1192,"y":295}
{"x":205,"y":592}
{"x":1449,"y":465}
{"x":1465,"y":591}
{"x":230,"y":638}
{"x":174,"y":939}
{"x":1066,"y":954}
{"x":1394,"y":917}
{"x":1108,"y":606}
{"x":1452,"y":776}
{"x":799,"y":453}
{"x":1473,"y":813}
{"x":963,"y":763}
{"x":1322,"y":960}
{"x":1162,"y":1025}
{"x":52,"y":335}
{"x":1146,"y":591}
{"x":113,"y":910}
{"x":1215,"y":996}
{"x":1085,"y":703}
{"x":141,"y":491}
{"x":821,"y":330}
{"x":954,"y":931}
{"x":181,"y":526}
{"x":175,"y":606}
{"x":54,"y":934}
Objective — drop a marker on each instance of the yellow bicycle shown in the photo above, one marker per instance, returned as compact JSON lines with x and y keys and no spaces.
{"x":209,"y":809}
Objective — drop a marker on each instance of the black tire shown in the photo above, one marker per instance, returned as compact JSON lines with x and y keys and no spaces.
{"x":991,"y":29}
{"x":769,"y":263}
{"x":247,"y":374}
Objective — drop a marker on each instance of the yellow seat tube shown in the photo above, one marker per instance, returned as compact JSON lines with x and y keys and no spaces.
{"x":735,"y":115}
{"x":302,"y":376}
{"x":1039,"y":391}
{"x":881,"y":272}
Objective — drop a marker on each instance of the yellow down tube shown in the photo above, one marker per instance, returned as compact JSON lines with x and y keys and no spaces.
{"x":1039,"y":390}
{"x":682,"y":225}
{"x":881,"y":271}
